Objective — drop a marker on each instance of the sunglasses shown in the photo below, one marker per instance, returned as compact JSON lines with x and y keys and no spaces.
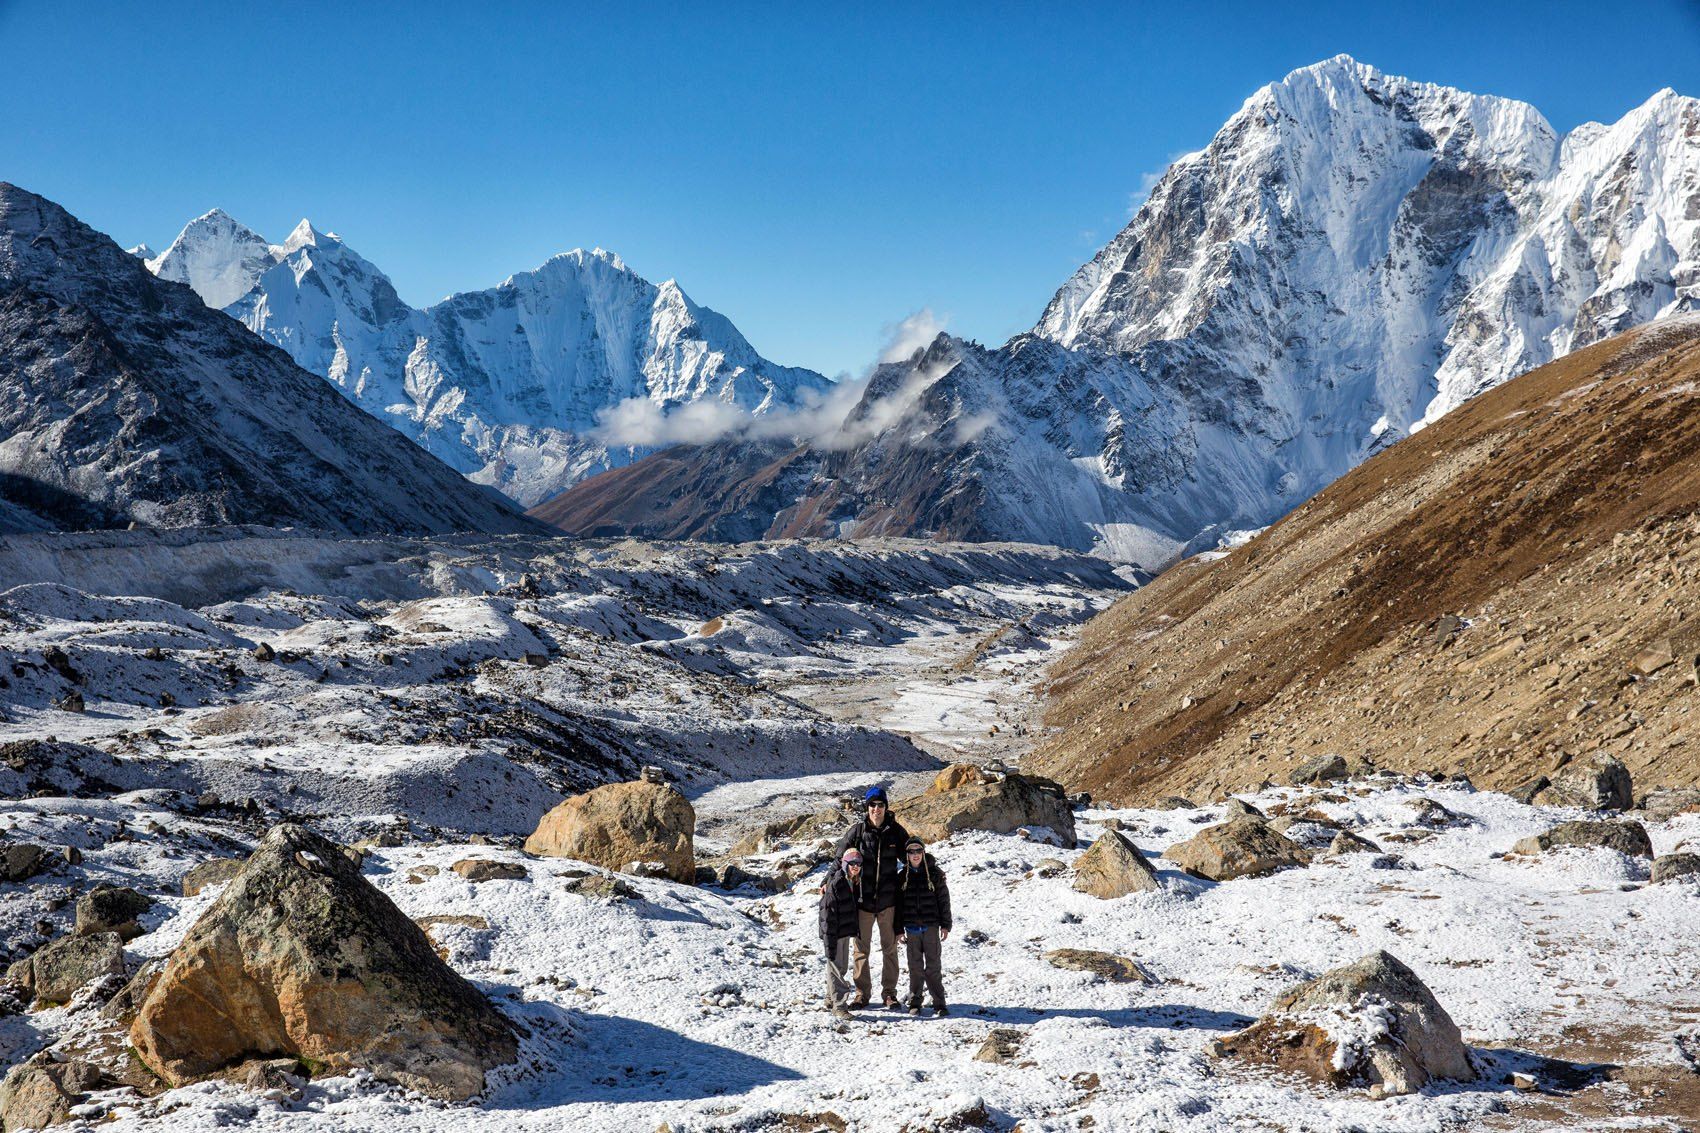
{"x":917,"y":852}
{"x":848,"y":862}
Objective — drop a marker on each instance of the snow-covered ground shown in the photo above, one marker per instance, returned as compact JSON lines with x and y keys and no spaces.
{"x":398,"y":694}
{"x":701,"y":1009}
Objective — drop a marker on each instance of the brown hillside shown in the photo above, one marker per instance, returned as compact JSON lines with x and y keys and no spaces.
{"x":1556,"y":514}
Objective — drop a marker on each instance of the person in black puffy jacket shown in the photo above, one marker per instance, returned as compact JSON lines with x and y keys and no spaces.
{"x":923,"y":907}
{"x":880,"y":838}
{"x":840,"y":920}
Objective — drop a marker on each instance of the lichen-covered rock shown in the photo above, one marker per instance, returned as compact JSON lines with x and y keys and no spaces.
{"x":207,"y":874}
{"x":1345,"y":842}
{"x":20,"y":861}
{"x":1240,"y":847}
{"x":301,"y":957}
{"x":1322,"y":769}
{"x":1669,"y":867}
{"x":1372,"y":1023}
{"x":1599,"y":784}
{"x":1623,"y":835}
{"x":484,"y":869}
{"x":111,"y":909}
{"x":621,"y":823}
{"x":999,"y":804}
{"x":1113,"y":868}
{"x":57,"y":971}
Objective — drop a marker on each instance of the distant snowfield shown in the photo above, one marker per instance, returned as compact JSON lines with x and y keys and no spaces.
{"x":482,"y":679}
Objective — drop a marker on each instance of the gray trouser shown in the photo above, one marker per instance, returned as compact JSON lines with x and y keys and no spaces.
{"x":923,"y":947}
{"x":837,"y":983}
{"x":886,"y":921}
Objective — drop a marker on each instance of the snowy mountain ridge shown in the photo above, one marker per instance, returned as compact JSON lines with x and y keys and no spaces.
{"x":506,"y":385}
{"x":1350,"y":257}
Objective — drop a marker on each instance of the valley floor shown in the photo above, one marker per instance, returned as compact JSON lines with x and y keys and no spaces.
{"x":699,"y":1009}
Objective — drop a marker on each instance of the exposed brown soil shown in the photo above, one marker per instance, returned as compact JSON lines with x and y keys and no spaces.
{"x":1556,"y":514}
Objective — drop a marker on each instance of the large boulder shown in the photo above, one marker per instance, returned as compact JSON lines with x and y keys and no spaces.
{"x":1322,"y":769}
{"x":1372,"y":1024}
{"x":1240,"y":847}
{"x":1622,"y":835}
{"x":57,"y":971}
{"x":1113,"y":868}
{"x":987,"y":801}
{"x":41,"y":1091}
{"x":301,"y":957}
{"x":110,"y":908}
{"x":1669,"y":867}
{"x":622,"y":823}
{"x":1598,"y":784}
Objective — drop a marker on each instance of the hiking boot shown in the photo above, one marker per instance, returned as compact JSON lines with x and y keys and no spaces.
{"x":839,"y":1011}
{"x":940,"y":1011}
{"x":891,"y":1003}
{"x":915,"y":1010}
{"x":858,"y":1003}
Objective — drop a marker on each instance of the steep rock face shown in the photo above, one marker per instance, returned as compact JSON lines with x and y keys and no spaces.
{"x":1351,"y":257}
{"x":508,"y":384}
{"x":124,"y":399}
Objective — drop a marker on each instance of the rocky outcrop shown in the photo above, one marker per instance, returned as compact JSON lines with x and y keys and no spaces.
{"x":57,"y":971}
{"x":1372,"y":1023}
{"x":20,"y":861}
{"x":1113,"y":867}
{"x":1241,"y":847}
{"x":1001,"y":803}
{"x":302,"y":957}
{"x":1622,"y":835}
{"x":621,"y":823}
{"x":1322,"y":769}
{"x":483,"y":869}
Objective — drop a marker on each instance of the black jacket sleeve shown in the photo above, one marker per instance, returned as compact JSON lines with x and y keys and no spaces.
{"x":943,"y":890}
{"x":828,"y":908}
{"x":852,"y":837}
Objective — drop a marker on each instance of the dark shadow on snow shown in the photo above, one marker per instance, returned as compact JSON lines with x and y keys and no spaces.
{"x":613,"y":1059}
{"x":1171,"y":1016}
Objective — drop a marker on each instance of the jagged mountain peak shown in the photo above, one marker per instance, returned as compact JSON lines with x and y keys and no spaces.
{"x":305,"y":235}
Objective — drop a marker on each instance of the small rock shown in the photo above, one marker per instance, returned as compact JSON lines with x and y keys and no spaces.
{"x":645,"y":869}
{"x":483,"y":869}
{"x":536,"y":660}
{"x":1655,"y":657}
{"x":1622,"y":835}
{"x":1435,"y":816}
{"x":1113,"y":867}
{"x":20,"y":861}
{"x":1446,"y":629}
{"x":1173,"y":802}
{"x":1048,"y":867}
{"x":1345,"y":842}
{"x":1669,"y":867}
{"x":72,"y":702}
{"x":1524,"y":1082}
{"x":278,"y":1077}
{"x":601,"y":886}
{"x":1239,"y":808}
{"x":1526,"y":793}
{"x":653,"y":774}
{"x":1601,"y":783}
{"x":1002,"y":1045}
{"x":264,"y":652}
{"x":111,"y":909}
{"x":1116,"y":969}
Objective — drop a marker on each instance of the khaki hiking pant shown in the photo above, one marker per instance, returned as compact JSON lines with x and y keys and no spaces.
{"x":887,"y":921}
{"x":923,"y":947}
{"x":838,"y":984}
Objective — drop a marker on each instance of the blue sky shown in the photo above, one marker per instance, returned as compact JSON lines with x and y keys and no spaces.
{"x":815,"y":174}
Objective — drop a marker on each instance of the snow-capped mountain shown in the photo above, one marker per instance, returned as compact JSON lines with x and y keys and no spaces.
{"x":124,"y":399}
{"x":507,"y":385}
{"x":1353,"y":255}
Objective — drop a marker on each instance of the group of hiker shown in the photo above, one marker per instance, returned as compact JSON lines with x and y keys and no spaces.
{"x":883,"y":880}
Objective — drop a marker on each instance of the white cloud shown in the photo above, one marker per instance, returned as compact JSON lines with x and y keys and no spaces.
{"x":904,"y":338}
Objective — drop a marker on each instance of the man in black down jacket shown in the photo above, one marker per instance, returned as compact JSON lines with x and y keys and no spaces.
{"x":923,"y":907}
{"x":840,"y":910}
{"x":880,"y":838}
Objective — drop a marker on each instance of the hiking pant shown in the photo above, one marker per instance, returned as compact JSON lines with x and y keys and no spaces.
{"x":837,"y":984}
{"x":924,"y":963}
{"x":887,"y":921}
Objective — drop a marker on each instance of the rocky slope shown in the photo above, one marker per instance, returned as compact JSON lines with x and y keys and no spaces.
{"x":507,"y":385}
{"x":123,"y":399}
{"x":1353,"y":255}
{"x":1504,"y":594}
